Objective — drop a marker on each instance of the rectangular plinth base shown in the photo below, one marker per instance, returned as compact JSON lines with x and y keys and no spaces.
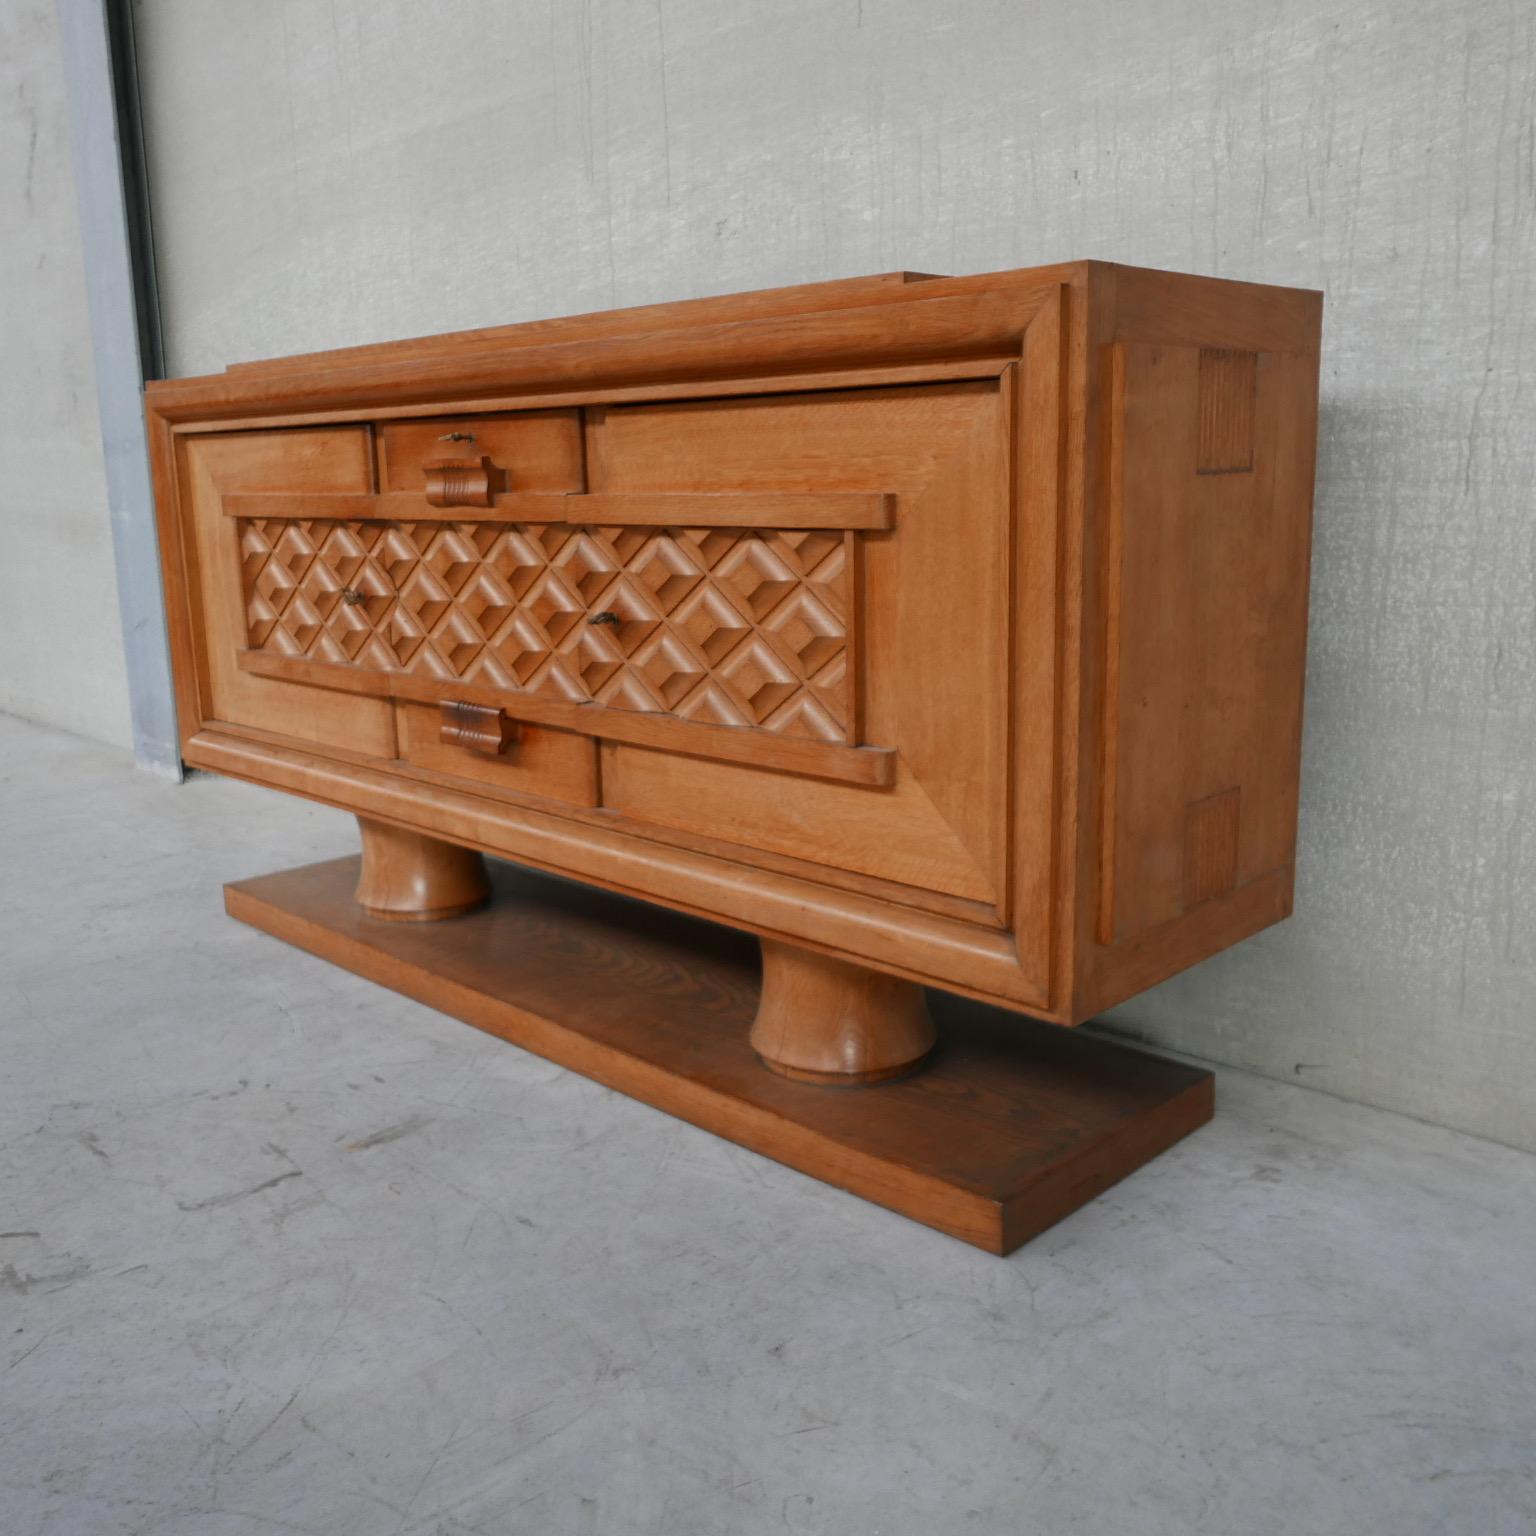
{"x":1012,"y":1126}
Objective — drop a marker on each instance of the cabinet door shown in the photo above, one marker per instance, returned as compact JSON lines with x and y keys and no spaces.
{"x":212,"y":467}
{"x":922,"y":630}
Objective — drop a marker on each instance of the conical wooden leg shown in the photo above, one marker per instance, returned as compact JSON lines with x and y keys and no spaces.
{"x":410,"y":878}
{"x":821,"y":1020}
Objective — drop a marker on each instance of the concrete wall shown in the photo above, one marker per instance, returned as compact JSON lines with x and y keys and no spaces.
{"x":61,"y":650}
{"x":357,"y":171}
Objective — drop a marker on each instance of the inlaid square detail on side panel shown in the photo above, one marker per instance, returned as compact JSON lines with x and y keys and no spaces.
{"x":1228,"y":384}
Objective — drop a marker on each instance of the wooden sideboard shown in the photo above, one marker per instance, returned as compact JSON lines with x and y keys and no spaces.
{"x":938,"y":631}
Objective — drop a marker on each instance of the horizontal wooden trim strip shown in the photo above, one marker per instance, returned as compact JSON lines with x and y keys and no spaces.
{"x":853,"y":509}
{"x":975,"y":370}
{"x":939,"y":951}
{"x":969,"y":325}
{"x":871,"y":766}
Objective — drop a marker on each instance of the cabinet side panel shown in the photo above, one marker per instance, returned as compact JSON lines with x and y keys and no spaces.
{"x":1205,"y":629}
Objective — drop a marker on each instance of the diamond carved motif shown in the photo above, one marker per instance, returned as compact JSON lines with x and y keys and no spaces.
{"x":744,"y":627}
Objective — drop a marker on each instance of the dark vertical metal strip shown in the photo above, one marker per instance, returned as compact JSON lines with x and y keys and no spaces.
{"x":136,"y":207}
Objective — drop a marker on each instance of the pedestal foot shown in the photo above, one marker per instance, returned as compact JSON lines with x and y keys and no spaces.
{"x":821,"y":1020}
{"x":408,"y":877}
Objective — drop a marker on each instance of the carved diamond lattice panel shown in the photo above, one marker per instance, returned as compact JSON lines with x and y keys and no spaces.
{"x":724,"y":626}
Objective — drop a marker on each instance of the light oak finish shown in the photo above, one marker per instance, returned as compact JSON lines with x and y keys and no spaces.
{"x":855,"y":765}
{"x":535,"y":452}
{"x":668,"y":509}
{"x":760,"y":303}
{"x":335,"y":458}
{"x":478,"y":727}
{"x":1013,"y":1126}
{"x":1205,"y":643}
{"x":863,"y":920}
{"x":899,"y":836}
{"x":408,"y":878}
{"x":945,"y":630}
{"x":982,"y":329}
{"x":821,"y":1020}
{"x":532,"y":760}
{"x":460,"y":482}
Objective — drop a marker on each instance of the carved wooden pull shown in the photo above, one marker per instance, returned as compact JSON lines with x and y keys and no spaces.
{"x":459,"y":482}
{"x":480,"y":727}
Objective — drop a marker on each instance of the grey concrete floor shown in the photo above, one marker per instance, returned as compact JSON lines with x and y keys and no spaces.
{"x":280,"y":1251}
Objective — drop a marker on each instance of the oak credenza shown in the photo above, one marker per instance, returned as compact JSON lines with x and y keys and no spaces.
{"x":941,"y":632}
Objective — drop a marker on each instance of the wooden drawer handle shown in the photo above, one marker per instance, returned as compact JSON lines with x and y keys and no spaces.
{"x":480,"y":727}
{"x":460,"y":482}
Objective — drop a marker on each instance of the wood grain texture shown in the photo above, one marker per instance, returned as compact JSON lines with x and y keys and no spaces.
{"x":729,"y":626}
{"x":1211,"y":829}
{"x":328,"y":459}
{"x":752,"y":381}
{"x":930,"y":680}
{"x":551,"y":764}
{"x":870,"y":766}
{"x":1068,"y":614}
{"x":1042,"y":559}
{"x":824,"y":1021}
{"x":468,"y":773}
{"x":865,"y":924}
{"x":898,"y":835}
{"x":478,"y":727}
{"x":964,"y":325}
{"x":1206,"y":622}
{"x":762,"y":302}
{"x":537,"y":452}
{"x":460,"y":482}
{"x":404,"y":877}
{"x":659,"y":509}
{"x":1012,"y":1127}
{"x":1228,"y":382}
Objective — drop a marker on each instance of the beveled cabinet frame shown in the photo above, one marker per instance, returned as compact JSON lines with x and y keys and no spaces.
{"x":1045,"y":337}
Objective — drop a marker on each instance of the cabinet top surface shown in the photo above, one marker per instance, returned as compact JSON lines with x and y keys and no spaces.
{"x":856,"y":301}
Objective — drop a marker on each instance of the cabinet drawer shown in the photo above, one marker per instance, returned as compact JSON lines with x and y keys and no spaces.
{"x":524,"y":451}
{"x":557,"y":765}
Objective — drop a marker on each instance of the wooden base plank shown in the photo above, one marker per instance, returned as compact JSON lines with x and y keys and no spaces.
{"x":1013,"y":1124}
